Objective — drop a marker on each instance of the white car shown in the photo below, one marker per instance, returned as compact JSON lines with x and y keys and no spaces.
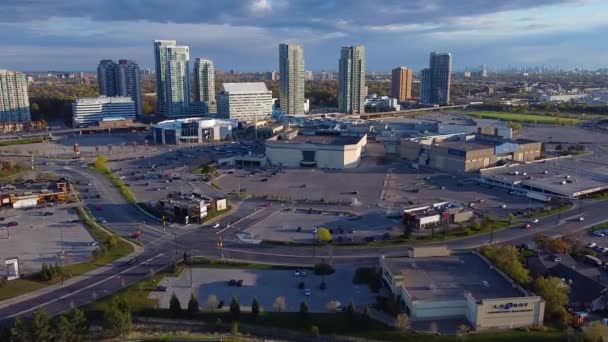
{"x":307,"y":292}
{"x":604,"y":250}
{"x":591,"y":245}
{"x":535,"y":221}
{"x":581,"y":219}
{"x":303,"y":273}
{"x":503,"y":206}
{"x":598,"y":233}
{"x":217,"y":225}
{"x":296,"y":273}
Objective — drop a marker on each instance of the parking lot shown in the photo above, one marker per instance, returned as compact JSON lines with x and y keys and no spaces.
{"x":300,"y":226}
{"x":266,"y":286}
{"x":40,"y":234}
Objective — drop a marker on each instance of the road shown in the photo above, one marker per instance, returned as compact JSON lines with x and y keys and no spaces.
{"x":163,"y":244}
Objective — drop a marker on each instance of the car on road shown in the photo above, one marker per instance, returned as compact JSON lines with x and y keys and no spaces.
{"x":527,"y":226}
{"x":591,"y":245}
{"x":535,"y":221}
{"x":267,"y":205}
{"x":93,"y":243}
{"x":160,"y":288}
{"x":102,"y":220}
{"x":12,"y":224}
{"x":581,"y":219}
{"x":48,"y":213}
{"x":217,"y":225}
{"x":307,"y":292}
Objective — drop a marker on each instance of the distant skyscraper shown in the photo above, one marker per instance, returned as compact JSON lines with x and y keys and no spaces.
{"x":401,"y":83}
{"x":308,"y":75}
{"x":14,"y":102}
{"x":128,"y":82}
{"x":106,"y":76}
{"x":272,"y":76}
{"x":204,"y":84}
{"x":441,"y":75}
{"x":120,"y":79}
{"x":351,"y":80}
{"x":172,"y":78}
{"x":291,"y":83}
{"x":425,"y":85}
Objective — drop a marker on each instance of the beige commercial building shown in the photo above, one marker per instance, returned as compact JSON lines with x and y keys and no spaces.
{"x":401,"y":83}
{"x":434,"y":284}
{"x":291,"y":149}
{"x":470,"y":153}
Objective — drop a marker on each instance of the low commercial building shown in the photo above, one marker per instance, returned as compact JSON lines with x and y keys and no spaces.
{"x":30,"y":194}
{"x":436,"y":214}
{"x":468,"y":153}
{"x":381,"y":103}
{"x":568,"y":177}
{"x":435,"y":284}
{"x":90,"y":111}
{"x":328,"y":151}
{"x":245,"y":102}
{"x":192,"y":131}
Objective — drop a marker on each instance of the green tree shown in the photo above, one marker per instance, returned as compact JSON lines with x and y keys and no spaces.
{"x":192,"y":305}
{"x":255,"y":307}
{"x":507,"y":259}
{"x":366,"y":316}
{"x":351,"y":312}
{"x":323,"y":235}
{"x":555,"y":293}
{"x":42,"y":329}
{"x":20,"y":332}
{"x":235,"y":308}
{"x":234,"y":328}
{"x":117,"y":317}
{"x":314,"y":330}
{"x":175,"y":307}
{"x":80,"y":323}
{"x":304,"y":309}
{"x":65,"y":329}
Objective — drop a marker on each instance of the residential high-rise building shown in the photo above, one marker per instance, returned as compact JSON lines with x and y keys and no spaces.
{"x":128,"y":82}
{"x":14,"y":102}
{"x":291,"y":83}
{"x":272,"y":76}
{"x":106,"y":77}
{"x":204,"y":84}
{"x":436,"y":80}
{"x":351,"y":80}
{"x":172,"y":78}
{"x":401,"y":83}
{"x":120,"y":79}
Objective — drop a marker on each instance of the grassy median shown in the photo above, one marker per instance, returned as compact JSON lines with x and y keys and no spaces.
{"x":527,"y":118}
{"x":23,"y":141}
{"x":100,"y":165}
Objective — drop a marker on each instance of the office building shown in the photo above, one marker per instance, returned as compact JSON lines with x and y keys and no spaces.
{"x":172,"y":78}
{"x":92,"y":111}
{"x":401,"y":83}
{"x":351,"y":80}
{"x":327,"y":151}
{"x":106,"y":77}
{"x":272,"y":76}
{"x":308,"y":75}
{"x":14,"y":102}
{"x":436,"y":80}
{"x":192,"y":131}
{"x":434,"y":283}
{"x":291,"y":83}
{"x":204,"y":83}
{"x":120,"y":79}
{"x":246,"y":102}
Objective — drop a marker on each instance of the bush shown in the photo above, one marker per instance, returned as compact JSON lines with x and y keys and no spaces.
{"x":314,"y":330}
{"x":255,"y":307}
{"x":323,"y":235}
{"x":175,"y":307}
{"x":235,"y":308}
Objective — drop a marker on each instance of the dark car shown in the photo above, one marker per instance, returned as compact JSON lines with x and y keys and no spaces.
{"x":239,"y":283}
{"x":48,"y":213}
{"x":12,"y":224}
{"x":160,"y":288}
{"x":231,"y":282}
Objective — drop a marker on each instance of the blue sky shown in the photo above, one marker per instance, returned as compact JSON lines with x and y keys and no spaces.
{"x":244,"y":34}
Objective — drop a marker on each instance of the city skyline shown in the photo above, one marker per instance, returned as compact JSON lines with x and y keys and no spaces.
{"x":243,"y":35}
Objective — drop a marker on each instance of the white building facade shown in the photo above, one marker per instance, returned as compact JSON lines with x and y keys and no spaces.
{"x":245,"y":102}
{"x":14,"y":101}
{"x":90,"y":111}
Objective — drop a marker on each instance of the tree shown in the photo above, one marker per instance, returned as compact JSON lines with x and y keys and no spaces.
{"x":175,"y":307}
{"x":351,"y":312}
{"x":234,"y":328}
{"x":323,"y":269}
{"x":304,"y":309}
{"x":235,"y":308}
{"x":366,"y":316}
{"x":506,"y":258}
{"x":559,"y":147}
{"x":117,"y":317}
{"x":41,"y":326}
{"x":255,"y":307}
{"x":192,"y":305}
{"x":80,"y":324}
{"x":314,"y":330}
{"x":65,"y":329}
{"x":323,"y":235}
{"x":555,"y":293}
{"x":403,"y":322}
{"x":212,"y":302}
{"x":20,"y":331}
{"x":596,"y":332}
{"x":279,"y":304}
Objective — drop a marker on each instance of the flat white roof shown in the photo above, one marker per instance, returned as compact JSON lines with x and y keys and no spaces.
{"x":245,"y":87}
{"x":103,"y":99}
{"x":204,"y":123}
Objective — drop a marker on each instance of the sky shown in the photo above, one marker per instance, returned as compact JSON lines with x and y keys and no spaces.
{"x":73,"y":35}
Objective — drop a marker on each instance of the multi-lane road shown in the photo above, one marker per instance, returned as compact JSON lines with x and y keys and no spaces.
{"x":163,"y":244}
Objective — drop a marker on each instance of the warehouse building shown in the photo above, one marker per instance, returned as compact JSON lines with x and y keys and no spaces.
{"x":468,"y":153}
{"x":327,"y":151}
{"x":192,"y":131}
{"x":433,"y":283}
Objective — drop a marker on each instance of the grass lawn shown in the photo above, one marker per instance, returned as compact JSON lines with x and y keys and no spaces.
{"x":32,"y":283}
{"x":211,"y":214}
{"x":547,"y":212}
{"x":23,"y":141}
{"x":530,"y":118}
{"x":600,"y":226}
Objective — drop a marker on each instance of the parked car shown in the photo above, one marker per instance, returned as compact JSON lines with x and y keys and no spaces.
{"x":12,"y":224}
{"x":217,"y":225}
{"x":296,"y":273}
{"x":48,"y":213}
{"x":160,"y":288}
{"x":307,"y":292}
{"x":93,"y":243}
{"x":591,"y":245}
{"x":599,"y":234}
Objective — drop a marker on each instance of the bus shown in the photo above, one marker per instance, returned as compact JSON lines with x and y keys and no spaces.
{"x":590,"y":259}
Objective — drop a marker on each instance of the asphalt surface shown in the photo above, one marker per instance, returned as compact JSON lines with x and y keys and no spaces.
{"x":165,"y":244}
